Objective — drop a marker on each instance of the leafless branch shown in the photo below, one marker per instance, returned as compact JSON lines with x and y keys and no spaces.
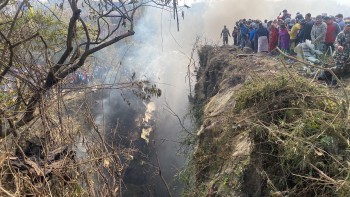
{"x":161,"y":176}
{"x":168,"y":108}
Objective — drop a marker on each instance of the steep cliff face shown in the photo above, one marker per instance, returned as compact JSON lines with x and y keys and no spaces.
{"x":224,"y":151}
{"x":264,"y":132}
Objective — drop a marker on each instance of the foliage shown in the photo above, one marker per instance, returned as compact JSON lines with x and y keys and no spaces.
{"x":301,"y":133}
{"x":146,"y":90}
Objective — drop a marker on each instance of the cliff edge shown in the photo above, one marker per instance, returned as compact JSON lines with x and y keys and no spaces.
{"x":265,"y":130}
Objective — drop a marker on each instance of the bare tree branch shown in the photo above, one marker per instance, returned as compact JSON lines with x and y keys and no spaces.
{"x":161,"y":176}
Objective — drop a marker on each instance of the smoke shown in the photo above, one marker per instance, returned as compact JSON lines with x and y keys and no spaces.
{"x":159,"y":53}
{"x":218,"y":13}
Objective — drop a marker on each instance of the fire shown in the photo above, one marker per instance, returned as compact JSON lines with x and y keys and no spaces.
{"x":150,"y":108}
{"x":146,"y":131}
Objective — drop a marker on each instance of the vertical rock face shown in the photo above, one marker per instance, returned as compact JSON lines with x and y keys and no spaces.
{"x":263,"y":132}
{"x":223,"y":163}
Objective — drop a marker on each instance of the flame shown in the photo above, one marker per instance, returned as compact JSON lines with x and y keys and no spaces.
{"x":145,"y":134}
{"x":150,"y":109}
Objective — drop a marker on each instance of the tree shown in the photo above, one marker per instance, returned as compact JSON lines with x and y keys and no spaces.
{"x":41,"y":45}
{"x":32,"y":31}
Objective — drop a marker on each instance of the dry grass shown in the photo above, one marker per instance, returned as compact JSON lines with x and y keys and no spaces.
{"x":301,"y":133}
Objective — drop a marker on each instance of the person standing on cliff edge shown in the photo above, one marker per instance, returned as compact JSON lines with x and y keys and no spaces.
{"x":225,"y":33}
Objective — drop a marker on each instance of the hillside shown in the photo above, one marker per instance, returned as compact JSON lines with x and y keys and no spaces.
{"x":265,"y":130}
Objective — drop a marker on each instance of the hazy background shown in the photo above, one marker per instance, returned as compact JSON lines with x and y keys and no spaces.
{"x":214,"y":14}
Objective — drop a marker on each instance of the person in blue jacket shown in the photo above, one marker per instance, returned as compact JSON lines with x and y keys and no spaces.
{"x":251,"y":36}
{"x":244,"y":34}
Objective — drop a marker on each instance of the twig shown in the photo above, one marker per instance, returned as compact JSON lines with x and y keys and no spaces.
{"x":189,"y":65}
{"x":161,"y":176}
{"x":290,"y":74}
{"x":177,"y":116}
{"x":322,"y":174}
{"x":244,"y":55}
{"x":326,"y":69}
{"x":6,"y":192}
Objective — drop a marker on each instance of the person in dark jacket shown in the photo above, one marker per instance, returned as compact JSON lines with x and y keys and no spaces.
{"x":225,"y":33}
{"x":308,"y":27}
{"x":262,"y":34}
{"x":299,"y":17}
{"x":340,"y":20}
{"x":235,"y":36}
{"x":301,"y":33}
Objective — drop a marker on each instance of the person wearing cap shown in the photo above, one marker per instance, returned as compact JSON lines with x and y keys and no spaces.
{"x":340,"y":20}
{"x":225,"y":33}
{"x":284,"y":15}
{"x":333,"y":30}
{"x":318,"y":33}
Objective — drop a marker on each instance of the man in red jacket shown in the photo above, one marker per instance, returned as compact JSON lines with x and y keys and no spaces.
{"x":333,"y":30}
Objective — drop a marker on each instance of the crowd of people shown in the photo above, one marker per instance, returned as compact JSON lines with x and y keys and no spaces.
{"x":328,"y":34}
{"x":84,"y":76}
